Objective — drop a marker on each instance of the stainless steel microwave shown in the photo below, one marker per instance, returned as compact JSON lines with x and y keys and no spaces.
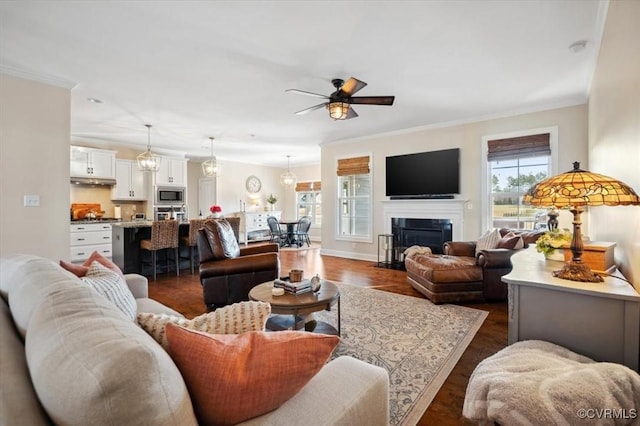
{"x":170,"y":195}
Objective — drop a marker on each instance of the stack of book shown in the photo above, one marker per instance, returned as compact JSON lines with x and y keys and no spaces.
{"x":303,"y":286}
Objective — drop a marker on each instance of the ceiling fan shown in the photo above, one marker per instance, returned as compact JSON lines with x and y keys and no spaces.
{"x":339,"y":102}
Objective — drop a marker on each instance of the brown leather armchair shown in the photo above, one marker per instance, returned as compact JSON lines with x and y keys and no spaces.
{"x":228,"y":272}
{"x":461,"y":275}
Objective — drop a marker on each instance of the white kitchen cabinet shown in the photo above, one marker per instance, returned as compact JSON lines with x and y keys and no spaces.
{"x":254,"y":226}
{"x":173,"y":171}
{"x":89,"y":237}
{"x":91,"y":162}
{"x":130,"y":182}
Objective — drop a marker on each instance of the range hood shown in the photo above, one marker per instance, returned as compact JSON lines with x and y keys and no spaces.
{"x":93,"y":181}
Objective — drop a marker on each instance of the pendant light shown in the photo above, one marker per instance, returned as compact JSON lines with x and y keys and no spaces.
{"x":148,"y":161}
{"x":210,"y":167}
{"x":288,"y":178}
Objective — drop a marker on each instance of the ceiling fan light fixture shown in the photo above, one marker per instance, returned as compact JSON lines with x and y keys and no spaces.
{"x":148,"y":161}
{"x":338,"y":110}
{"x":288,"y":178}
{"x":210,"y":167}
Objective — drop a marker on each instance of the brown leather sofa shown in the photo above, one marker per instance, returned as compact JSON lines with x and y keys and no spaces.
{"x":459,"y":275}
{"x":228,"y":272}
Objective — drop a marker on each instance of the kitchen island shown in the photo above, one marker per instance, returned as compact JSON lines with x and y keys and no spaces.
{"x":126,"y":237}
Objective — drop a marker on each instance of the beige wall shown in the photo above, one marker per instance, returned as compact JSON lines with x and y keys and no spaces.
{"x":614,"y":131}
{"x":34,"y":159}
{"x":572,"y":146}
{"x":231,"y":186}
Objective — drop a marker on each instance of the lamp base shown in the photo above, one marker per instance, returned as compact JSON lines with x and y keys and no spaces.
{"x":576,"y":271}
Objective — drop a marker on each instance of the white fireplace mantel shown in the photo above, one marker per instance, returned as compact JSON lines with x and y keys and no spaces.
{"x":427,"y":209}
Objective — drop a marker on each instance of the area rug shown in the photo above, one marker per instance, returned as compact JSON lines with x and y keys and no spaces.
{"x":417,"y":342}
{"x":314,"y":246}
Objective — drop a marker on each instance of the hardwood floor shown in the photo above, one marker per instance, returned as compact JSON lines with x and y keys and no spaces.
{"x":184,"y":294}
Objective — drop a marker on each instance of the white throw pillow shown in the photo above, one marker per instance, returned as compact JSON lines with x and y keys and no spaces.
{"x":111,"y":285}
{"x":233,"y":319}
{"x":489,"y":240}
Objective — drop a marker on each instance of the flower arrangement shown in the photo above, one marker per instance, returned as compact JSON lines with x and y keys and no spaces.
{"x":215,"y":209}
{"x":272,"y":199}
{"x":552,"y":240}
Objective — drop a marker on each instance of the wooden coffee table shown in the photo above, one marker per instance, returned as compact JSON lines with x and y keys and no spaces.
{"x":290,"y":309}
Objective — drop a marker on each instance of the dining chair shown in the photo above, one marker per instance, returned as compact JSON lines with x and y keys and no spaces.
{"x":277,"y":234}
{"x":301,"y":232}
{"x":164,"y":235}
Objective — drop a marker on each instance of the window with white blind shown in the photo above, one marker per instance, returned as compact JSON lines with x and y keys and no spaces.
{"x":513,"y":165}
{"x":354,"y":199}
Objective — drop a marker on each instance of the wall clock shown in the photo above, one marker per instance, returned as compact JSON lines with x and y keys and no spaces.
{"x":253,"y":184}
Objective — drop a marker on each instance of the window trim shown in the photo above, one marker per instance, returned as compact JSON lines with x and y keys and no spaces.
{"x":485,"y":210}
{"x":336,"y":212}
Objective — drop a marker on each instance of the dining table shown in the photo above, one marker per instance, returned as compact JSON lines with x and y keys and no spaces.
{"x":291,"y":240}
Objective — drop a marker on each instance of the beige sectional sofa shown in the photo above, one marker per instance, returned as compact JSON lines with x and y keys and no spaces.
{"x":69,"y":356}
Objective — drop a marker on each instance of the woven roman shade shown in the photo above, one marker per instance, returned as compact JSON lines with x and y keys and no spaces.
{"x":353,"y":166}
{"x":523,"y":146}
{"x":308,"y":186}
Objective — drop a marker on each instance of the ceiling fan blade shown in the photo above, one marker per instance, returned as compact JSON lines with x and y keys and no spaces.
{"x":302,"y":92}
{"x":372,"y":100}
{"x":313,"y":108}
{"x":351,"y":86}
{"x":351,"y":114}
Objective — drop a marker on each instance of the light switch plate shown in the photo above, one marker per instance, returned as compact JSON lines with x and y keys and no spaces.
{"x":31,"y":200}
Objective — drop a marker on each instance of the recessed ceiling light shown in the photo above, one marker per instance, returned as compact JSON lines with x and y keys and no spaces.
{"x":94,"y":100}
{"x":578,"y":46}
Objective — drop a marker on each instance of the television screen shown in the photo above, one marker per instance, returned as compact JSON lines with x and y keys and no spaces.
{"x":434,"y":174}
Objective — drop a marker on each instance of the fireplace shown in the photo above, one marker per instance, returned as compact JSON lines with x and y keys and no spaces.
{"x":446,"y":215}
{"x":432,"y":233}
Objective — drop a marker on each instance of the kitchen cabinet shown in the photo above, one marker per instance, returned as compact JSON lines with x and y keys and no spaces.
{"x":126,"y":246}
{"x":173,"y":171}
{"x":130,"y":182}
{"x":89,"y":237}
{"x":91,"y":162}
{"x":254,"y":226}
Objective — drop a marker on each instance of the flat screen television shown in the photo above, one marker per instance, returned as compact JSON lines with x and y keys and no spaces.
{"x":433,"y":174}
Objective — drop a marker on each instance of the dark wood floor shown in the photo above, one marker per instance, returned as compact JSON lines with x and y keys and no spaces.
{"x":184,"y":294}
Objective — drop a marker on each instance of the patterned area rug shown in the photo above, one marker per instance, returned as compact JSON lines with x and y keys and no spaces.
{"x":417,"y":342}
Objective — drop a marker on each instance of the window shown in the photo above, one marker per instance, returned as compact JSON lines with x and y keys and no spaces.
{"x":514,"y":165}
{"x":354,"y":199}
{"x":309,"y":201}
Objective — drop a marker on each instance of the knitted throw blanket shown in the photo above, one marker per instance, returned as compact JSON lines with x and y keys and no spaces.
{"x":540,"y":383}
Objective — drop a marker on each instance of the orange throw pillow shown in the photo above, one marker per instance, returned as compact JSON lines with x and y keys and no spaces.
{"x":75,"y":268}
{"x":81,"y":270}
{"x":233,"y":378}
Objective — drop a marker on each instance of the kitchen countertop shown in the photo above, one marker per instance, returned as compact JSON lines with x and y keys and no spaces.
{"x":140,"y":224}
{"x":92,"y":221}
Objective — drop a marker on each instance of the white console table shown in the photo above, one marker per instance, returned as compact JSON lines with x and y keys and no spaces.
{"x":597,"y":320}
{"x":254,"y":226}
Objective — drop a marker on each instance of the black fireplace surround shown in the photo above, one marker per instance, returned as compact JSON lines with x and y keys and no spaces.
{"x":432,"y":233}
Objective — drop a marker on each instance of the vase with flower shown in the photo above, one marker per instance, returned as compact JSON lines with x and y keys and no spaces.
{"x":551,"y":243}
{"x":216,"y":211}
{"x":272,"y":200}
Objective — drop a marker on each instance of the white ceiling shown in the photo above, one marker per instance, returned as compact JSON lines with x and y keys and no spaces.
{"x":195,"y":69}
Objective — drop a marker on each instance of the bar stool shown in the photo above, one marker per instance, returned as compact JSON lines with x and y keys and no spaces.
{"x":164,"y":235}
{"x":191,"y":240}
